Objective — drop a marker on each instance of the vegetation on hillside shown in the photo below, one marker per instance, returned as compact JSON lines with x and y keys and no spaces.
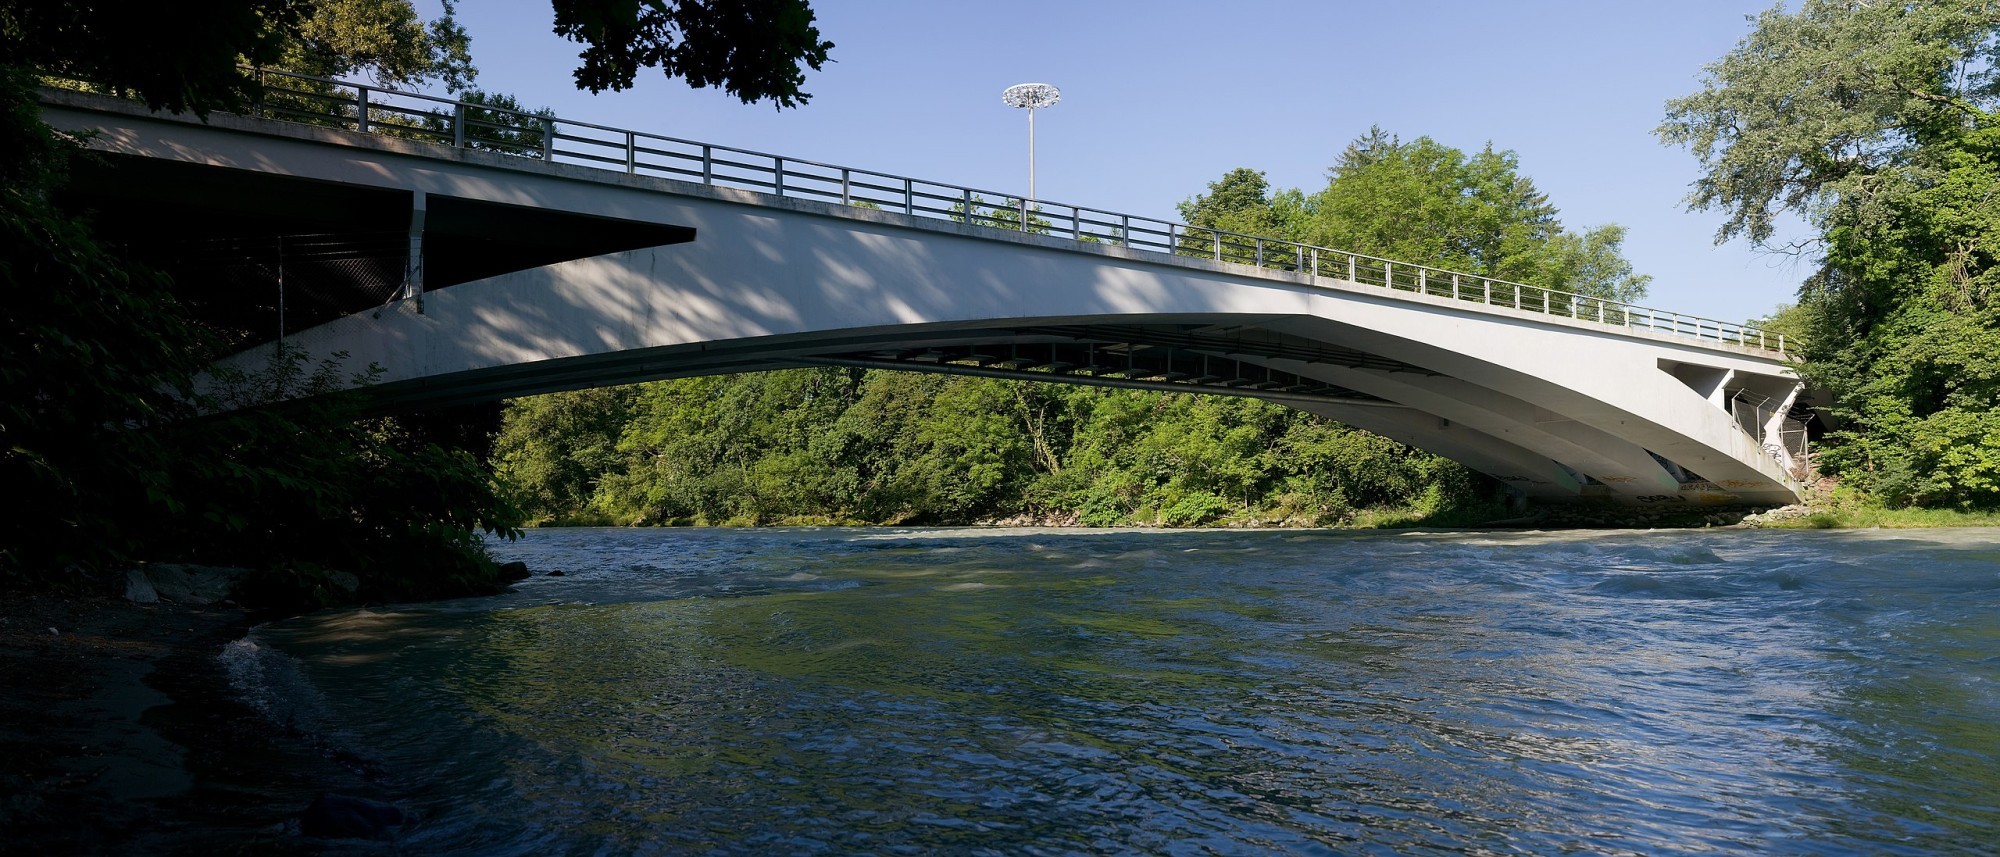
{"x":1878,"y":124}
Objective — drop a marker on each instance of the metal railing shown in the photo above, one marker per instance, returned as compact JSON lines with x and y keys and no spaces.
{"x":471,"y":125}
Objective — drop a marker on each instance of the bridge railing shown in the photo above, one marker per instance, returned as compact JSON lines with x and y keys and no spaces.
{"x":540,"y":135}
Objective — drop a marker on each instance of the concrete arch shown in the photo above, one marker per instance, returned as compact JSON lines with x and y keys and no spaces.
{"x":1554,"y":406}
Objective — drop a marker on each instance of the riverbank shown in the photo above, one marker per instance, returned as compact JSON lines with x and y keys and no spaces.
{"x":120,"y":734}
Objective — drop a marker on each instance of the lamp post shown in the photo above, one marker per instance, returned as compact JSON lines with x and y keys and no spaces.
{"x":1031,"y":96}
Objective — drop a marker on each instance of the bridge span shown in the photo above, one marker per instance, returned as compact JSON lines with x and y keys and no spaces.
{"x":488,"y":256}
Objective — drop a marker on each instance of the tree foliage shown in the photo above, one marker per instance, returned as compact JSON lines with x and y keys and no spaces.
{"x":751,"y":49}
{"x":1879,"y":125}
{"x":1824,"y":113}
{"x":92,"y":352}
{"x":385,"y":39}
{"x":841,"y":445}
{"x":1424,"y":202}
{"x":174,"y":56}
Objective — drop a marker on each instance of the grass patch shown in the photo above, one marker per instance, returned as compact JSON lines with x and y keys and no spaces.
{"x":1861,"y":517}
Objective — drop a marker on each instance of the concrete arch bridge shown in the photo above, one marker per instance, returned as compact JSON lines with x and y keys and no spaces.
{"x":475,"y":255}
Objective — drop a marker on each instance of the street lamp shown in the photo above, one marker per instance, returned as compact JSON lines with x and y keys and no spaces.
{"x":1031,"y":96}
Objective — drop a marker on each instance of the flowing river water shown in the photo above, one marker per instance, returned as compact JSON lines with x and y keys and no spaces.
{"x":1185,"y":692}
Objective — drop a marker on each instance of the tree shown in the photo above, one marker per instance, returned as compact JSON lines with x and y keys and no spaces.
{"x":1819,"y":113}
{"x":1879,"y":125}
{"x":1421,"y":202}
{"x":751,"y":49}
{"x":1238,"y":204}
{"x":385,"y":39}
{"x":186,"y":56}
{"x":92,"y":353}
{"x":174,"y":56}
{"x":1425,"y":202}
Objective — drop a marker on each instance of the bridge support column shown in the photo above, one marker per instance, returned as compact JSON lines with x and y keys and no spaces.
{"x":1774,"y":428}
{"x":413,"y":272}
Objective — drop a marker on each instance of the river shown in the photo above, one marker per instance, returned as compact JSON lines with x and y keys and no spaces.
{"x":1186,"y":692}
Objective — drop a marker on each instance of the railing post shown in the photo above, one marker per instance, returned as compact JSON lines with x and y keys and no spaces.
{"x":968,"y":205}
{"x":1517,"y":295}
{"x":631,"y":152}
{"x":1217,"y":233}
{"x":1454,"y":287}
{"x":846,"y":186}
{"x":1125,"y":230}
{"x":1388,"y":274}
{"x":1315,"y":261}
{"x":1488,"y":284}
{"x":1424,"y":281}
{"x":909,"y":197}
{"x":361,"y":108}
{"x":458,"y":126}
{"x":707,"y":164}
{"x":1545,"y":302}
{"x":1075,"y":224}
{"x":1300,"y":264}
{"x":1760,"y":341}
{"x":1259,"y":244}
{"x":548,"y":140}
{"x":1350,"y":269}
{"x":1600,"y":311}
{"x":778,"y":176}
{"x":1781,"y":343}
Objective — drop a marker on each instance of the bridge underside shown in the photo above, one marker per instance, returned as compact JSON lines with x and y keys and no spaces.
{"x":492,"y":276}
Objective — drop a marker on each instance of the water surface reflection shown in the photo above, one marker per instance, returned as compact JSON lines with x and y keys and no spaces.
{"x":1189,"y":692}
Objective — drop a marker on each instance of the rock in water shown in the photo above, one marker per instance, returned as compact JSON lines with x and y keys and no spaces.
{"x":192,"y":584}
{"x":333,"y":816}
{"x":139,"y":589}
{"x":558,"y":573}
{"x":511,"y":571}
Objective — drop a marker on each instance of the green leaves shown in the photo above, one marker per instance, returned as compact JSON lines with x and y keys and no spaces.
{"x":1424,"y":202}
{"x":751,"y":49}
{"x":1880,"y":125}
{"x":837,"y":445}
{"x":1819,"y":113}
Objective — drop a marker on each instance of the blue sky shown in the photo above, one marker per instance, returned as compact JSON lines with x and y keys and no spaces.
{"x":1160,"y":98}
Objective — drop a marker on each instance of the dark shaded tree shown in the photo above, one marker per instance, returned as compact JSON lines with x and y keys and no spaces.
{"x":751,"y":49}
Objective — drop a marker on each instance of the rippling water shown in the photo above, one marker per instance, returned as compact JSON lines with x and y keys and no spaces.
{"x":981,"y":691}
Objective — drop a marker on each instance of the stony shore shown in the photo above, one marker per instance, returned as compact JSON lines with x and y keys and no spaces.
{"x":119,"y":734}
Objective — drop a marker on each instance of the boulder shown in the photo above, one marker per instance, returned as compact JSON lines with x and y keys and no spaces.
{"x":558,"y":573}
{"x":333,"y":816}
{"x":191,"y":584}
{"x":511,"y":571}
{"x":347,"y":582}
{"x":139,"y":588}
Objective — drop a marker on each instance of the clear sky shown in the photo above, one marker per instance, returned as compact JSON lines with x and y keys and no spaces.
{"x":1160,"y":98}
